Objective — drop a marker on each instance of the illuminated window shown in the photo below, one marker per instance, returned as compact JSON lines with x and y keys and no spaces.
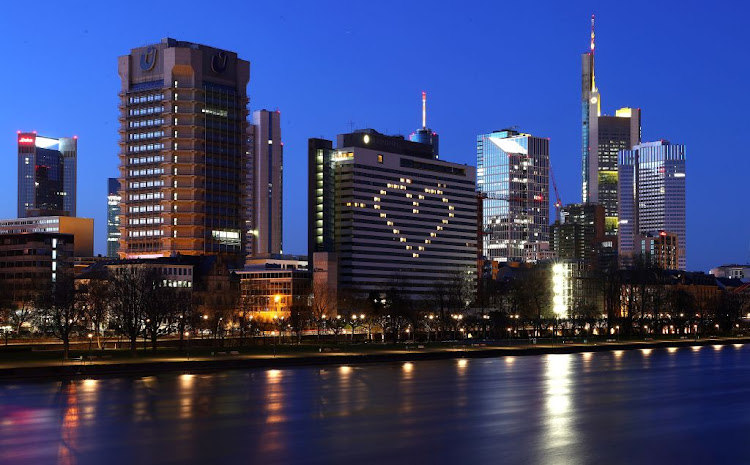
{"x":403,"y":239}
{"x":380,"y":158}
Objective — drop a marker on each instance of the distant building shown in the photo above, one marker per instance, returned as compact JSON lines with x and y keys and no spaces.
{"x":384,"y":213}
{"x":30,"y":262}
{"x":113,"y":217}
{"x":579,"y":234}
{"x":46,"y":175}
{"x":652,"y":195}
{"x":602,"y":138}
{"x":265,"y":185}
{"x":275,"y":287}
{"x":425,"y":135}
{"x":741,"y":272}
{"x":513,"y":177}
{"x":183,"y":151}
{"x":659,"y":248}
{"x":81,"y":228}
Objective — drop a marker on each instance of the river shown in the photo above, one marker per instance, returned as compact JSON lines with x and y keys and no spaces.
{"x":689,"y":405}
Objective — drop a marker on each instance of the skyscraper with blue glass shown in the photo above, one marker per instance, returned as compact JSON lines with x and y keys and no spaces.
{"x":46,"y":175}
{"x":652,"y":195}
{"x":513,"y":179}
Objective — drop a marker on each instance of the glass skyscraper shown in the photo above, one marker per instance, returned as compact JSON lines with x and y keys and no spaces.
{"x":513,"y":179}
{"x":602,"y":138}
{"x":652,"y":195}
{"x":46,"y":175}
{"x":113,"y":217}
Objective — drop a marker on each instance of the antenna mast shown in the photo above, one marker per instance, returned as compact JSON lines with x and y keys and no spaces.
{"x":424,"y":110}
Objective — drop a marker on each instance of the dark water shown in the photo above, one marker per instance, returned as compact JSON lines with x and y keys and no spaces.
{"x":660,"y":406}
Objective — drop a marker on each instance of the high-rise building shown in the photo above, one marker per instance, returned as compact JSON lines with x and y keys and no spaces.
{"x":513,"y":177}
{"x":46,"y":175}
{"x":183,"y":151}
{"x":265,"y":185}
{"x":384,"y":213}
{"x":425,"y":135}
{"x":82,"y":230}
{"x":602,"y":138}
{"x":652,"y":195}
{"x":579,"y":233}
{"x":113,"y":217}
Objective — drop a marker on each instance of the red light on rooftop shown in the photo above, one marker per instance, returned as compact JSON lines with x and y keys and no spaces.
{"x":75,"y":137}
{"x":663,"y":233}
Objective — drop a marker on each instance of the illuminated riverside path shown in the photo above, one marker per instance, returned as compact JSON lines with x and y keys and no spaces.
{"x":679,"y":405}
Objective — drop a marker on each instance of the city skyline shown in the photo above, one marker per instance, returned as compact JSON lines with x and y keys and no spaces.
{"x":391,"y":103}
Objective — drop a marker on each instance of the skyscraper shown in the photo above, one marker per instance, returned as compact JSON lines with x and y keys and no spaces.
{"x":652,"y":195}
{"x":602,"y":138}
{"x":46,"y":175}
{"x":424,"y":135}
{"x":183,"y":150}
{"x":265,"y":184}
{"x":383,"y":213}
{"x":513,"y":177}
{"x":113,"y":217}
{"x":579,"y":233}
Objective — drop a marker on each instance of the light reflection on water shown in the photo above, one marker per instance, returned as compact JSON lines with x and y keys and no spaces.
{"x":557,"y":408}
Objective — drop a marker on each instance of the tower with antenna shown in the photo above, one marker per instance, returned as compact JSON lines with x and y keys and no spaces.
{"x":425,"y":135}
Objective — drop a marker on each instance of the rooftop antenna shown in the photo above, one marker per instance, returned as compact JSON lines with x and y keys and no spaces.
{"x":424,"y":110}
{"x":593,"y":85}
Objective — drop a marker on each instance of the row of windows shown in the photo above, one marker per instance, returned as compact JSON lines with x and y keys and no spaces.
{"x":150,"y":220}
{"x":147,"y":208}
{"x":147,"y":233}
{"x":151,"y":159}
{"x":146,"y":123}
{"x":145,"y":184}
{"x":146,"y":98}
{"x":145,"y":147}
{"x":146,"y":135}
{"x":147,"y":196}
{"x":147,"y":172}
{"x":145,"y":110}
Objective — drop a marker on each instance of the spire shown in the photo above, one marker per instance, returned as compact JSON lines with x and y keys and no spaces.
{"x":593,"y":80}
{"x":424,"y":110}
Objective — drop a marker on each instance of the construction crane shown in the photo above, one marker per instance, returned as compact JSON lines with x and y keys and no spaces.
{"x":558,"y":202}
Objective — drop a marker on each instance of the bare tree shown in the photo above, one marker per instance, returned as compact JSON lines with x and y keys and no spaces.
{"x":95,"y":298}
{"x":127,"y":290}
{"x":61,"y":309}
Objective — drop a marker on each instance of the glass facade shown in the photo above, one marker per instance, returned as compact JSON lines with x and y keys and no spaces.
{"x":513,"y":178}
{"x":652,"y":194}
{"x":113,"y":217}
{"x":46,"y":176}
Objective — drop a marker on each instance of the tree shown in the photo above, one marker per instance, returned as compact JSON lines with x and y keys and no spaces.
{"x":95,"y":297}
{"x":128,"y":293}
{"x":60,"y":308}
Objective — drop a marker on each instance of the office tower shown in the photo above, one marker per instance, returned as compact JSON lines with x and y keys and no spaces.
{"x":513,"y":177}
{"x":384,"y":214}
{"x":652,"y":195}
{"x":659,"y":248}
{"x":46,"y":175}
{"x":579,"y":233}
{"x":81,"y":229}
{"x":113,"y":217}
{"x":602,"y":138}
{"x":265,"y":185}
{"x":183,"y":151}
{"x":424,"y":135}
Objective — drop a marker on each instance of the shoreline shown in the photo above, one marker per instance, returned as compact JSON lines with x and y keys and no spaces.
{"x":74,"y":369}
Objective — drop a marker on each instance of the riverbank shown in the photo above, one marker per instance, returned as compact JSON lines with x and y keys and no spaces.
{"x":225,"y":359}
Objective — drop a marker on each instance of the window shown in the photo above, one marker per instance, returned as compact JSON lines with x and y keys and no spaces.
{"x":380,"y":158}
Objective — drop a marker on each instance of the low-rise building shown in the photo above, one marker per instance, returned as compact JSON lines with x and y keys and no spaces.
{"x":275,"y":287}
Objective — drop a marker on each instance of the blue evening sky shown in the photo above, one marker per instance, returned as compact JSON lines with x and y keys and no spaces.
{"x":485,"y":65}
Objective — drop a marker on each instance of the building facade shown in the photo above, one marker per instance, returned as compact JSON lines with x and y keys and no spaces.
{"x":183,"y":151}
{"x":46,"y":175}
{"x":81,"y":228}
{"x":384,"y":213}
{"x":741,"y":272}
{"x":579,"y":234}
{"x":513,"y":177}
{"x":660,"y":249}
{"x":265,"y":183}
{"x":113,"y":217}
{"x":603,"y":137}
{"x":652,"y":195}
{"x":275,"y":287}
{"x":29,"y":264}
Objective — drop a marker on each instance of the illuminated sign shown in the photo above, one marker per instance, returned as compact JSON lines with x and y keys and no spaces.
{"x":26,"y":140}
{"x":148,"y":59}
